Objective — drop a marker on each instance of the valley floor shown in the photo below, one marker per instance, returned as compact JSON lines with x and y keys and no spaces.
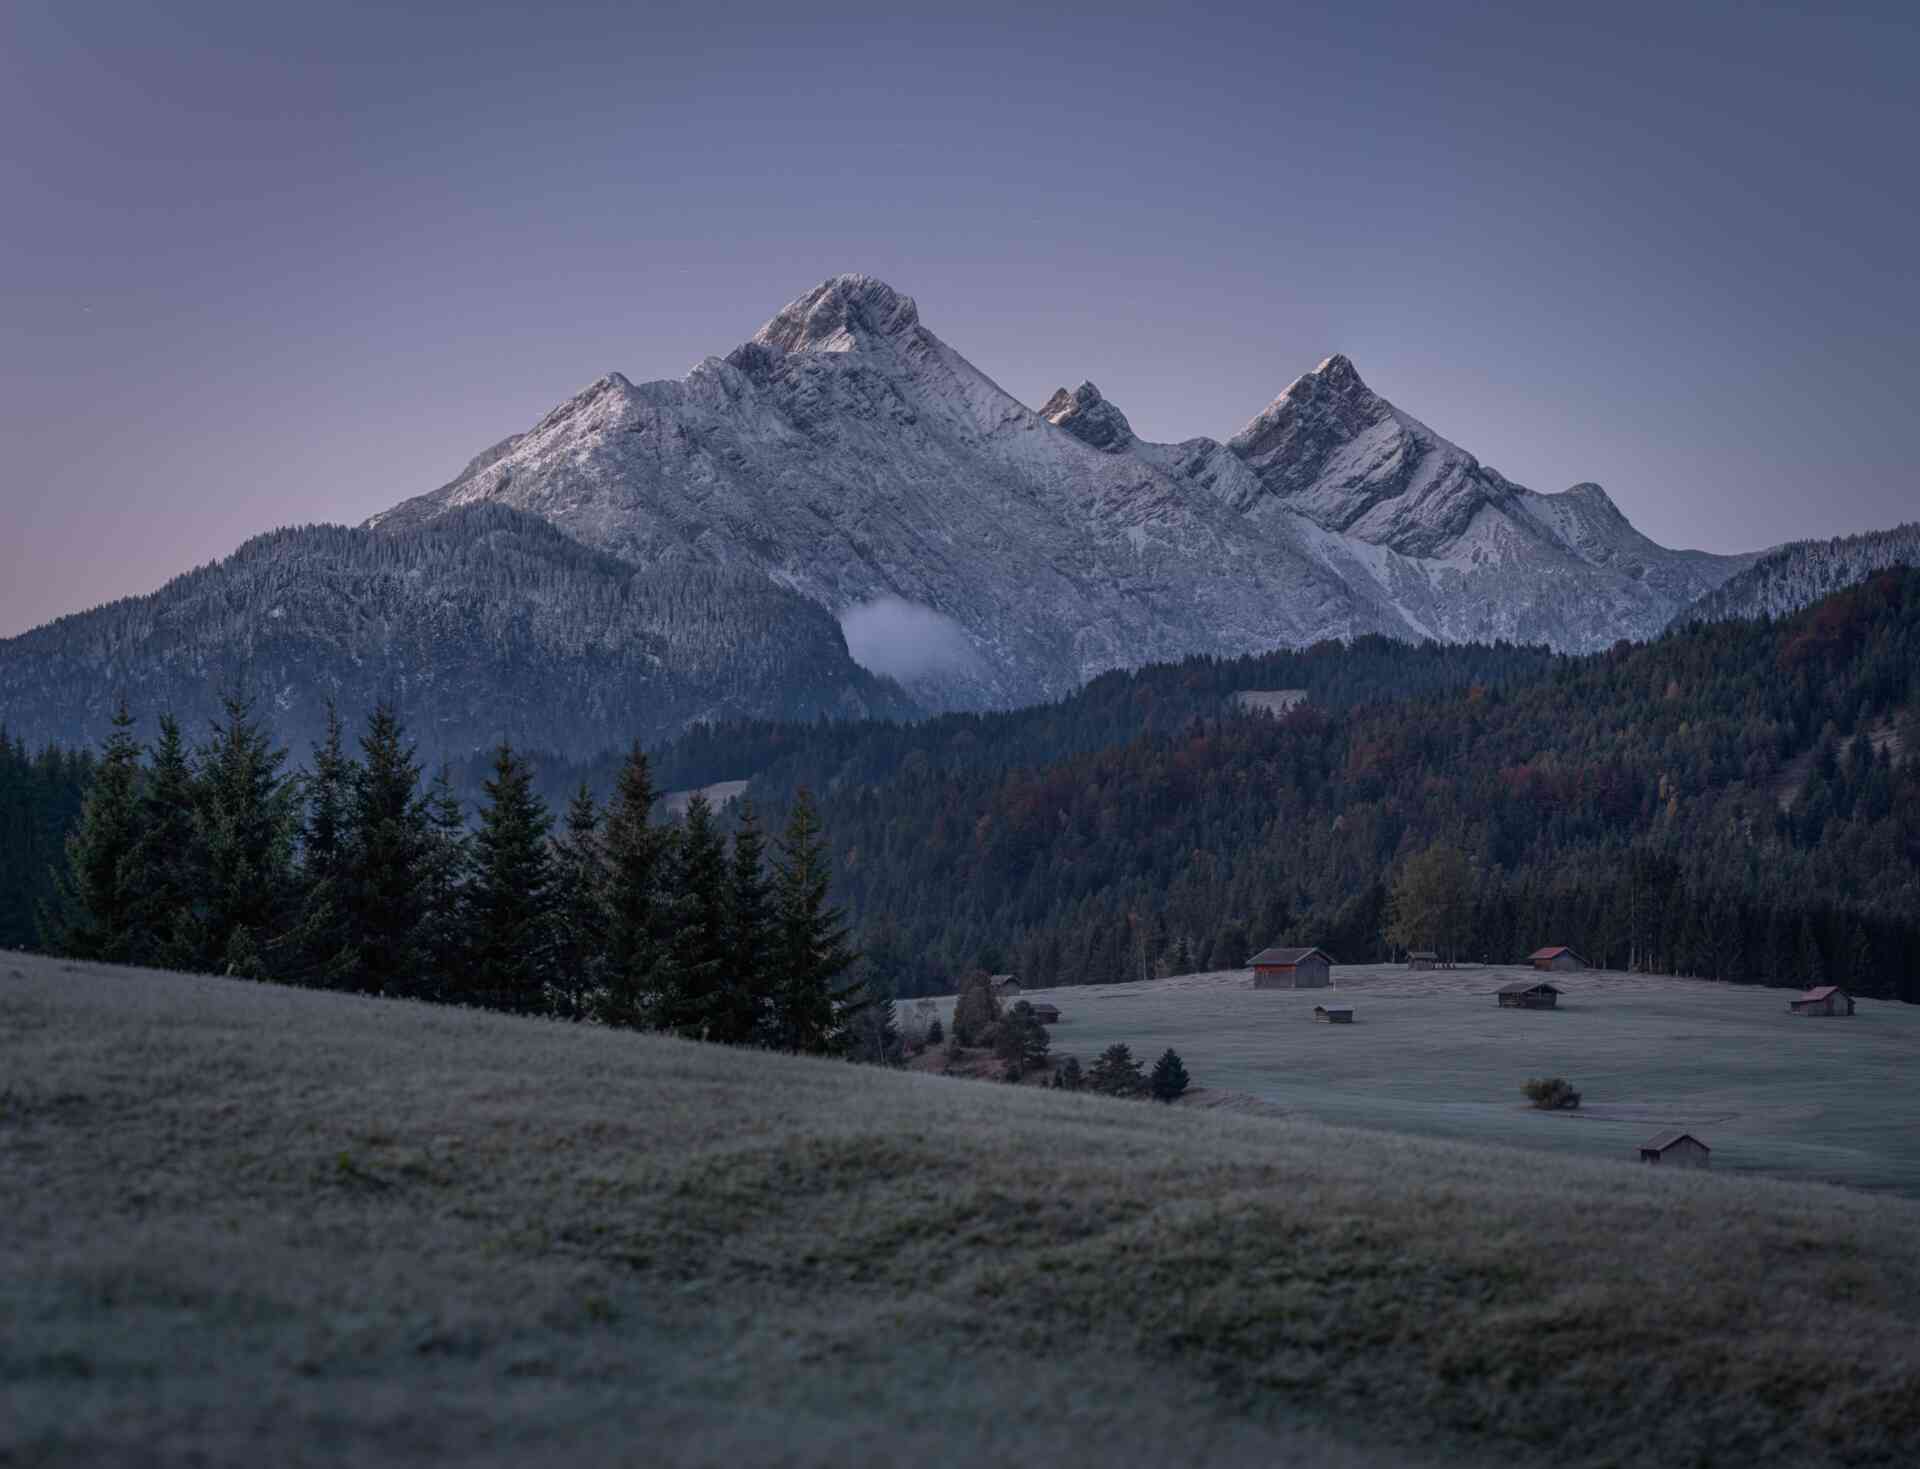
{"x":252,"y":1225}
{"x":1430,"y":1052}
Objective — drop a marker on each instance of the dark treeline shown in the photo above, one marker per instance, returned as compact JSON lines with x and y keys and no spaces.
{"x":1727,"y":801}
{"x":358,"y":874}
{"x":40,"y":796}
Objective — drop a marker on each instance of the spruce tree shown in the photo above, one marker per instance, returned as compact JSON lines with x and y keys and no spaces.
{"x":449,"y":875}
{"x":509,"y":911}
{"x":811,"y":1007}
{"x":96,"y":907}
{"x":745,"y":1012}
{"x":168,"y":860}
{"x":579,"y":908}
{"x":635,"y":857}
{"x":699,"y":954}
{"x":387,"y":869}
{"x":246,"y":822}
{"x":321,"y":943}
{"x":1169,"y":1080}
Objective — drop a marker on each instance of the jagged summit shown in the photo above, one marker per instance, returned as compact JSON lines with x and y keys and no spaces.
{"x":837,"y":314}
{"x":1089,"y":417}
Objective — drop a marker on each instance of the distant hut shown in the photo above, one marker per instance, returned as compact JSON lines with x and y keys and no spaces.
{"x":1676,"y":1150}
{"x":1005,"y":986}
{"x":1828,"y":999}
{"x":1528,"y":994}
{"x":1557,"y":957}
{"x":1044,"y":1013}
{"x":1334,"y":1014}
{"x":1291,"y":969}
{"x":1423,"y":959}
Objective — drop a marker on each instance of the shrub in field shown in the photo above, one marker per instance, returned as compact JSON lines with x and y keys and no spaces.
{"x":1069,"y":1078}
{"x":1551,"y":1094}
{"x":1169,"y":1077}
{"x":935,"y":1033}
{"x":1116,"y":1073}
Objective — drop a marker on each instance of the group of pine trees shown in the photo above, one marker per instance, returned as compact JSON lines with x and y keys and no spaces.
{"x":359,"y":875}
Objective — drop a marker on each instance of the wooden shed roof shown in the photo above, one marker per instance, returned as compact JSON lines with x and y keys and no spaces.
{"x":1822,"y":992}
{"x":1526,"y":987}
{"x":1553,"y":951}
{"x":1284,"y":957}
{"x":1665,"y":1140}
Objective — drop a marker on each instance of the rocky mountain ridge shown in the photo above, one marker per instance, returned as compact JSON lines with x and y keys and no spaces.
{"x":848,"y":453}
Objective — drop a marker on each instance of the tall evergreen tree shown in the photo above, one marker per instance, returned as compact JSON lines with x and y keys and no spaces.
{"x":811,"y":954}
{"x":579,"y":908}
{"x":246,"y":820}
{"x":96,"y":907}
{"x":387,"y":870}
{"x":510,"y":933}
{"x":1169,"y":1080}
{"x":697,"y":942}
{"x":168,"y":858}
{"x":449,"y":888}
{"x":635,"y":856}
{"x":746,"y":1010}
{"x":321,"y":944}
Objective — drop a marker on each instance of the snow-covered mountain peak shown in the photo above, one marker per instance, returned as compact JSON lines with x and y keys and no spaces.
{"x":1089,"y":417}
{"x":840,"y":314}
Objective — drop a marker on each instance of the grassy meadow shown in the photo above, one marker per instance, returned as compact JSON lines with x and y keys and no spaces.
{"x":1430,"y":1052}
{"x":247,"y":1225}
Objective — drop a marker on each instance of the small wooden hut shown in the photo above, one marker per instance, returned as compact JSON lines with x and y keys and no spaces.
{"x":1333,"y":1014}
{"x":1828,"y":999}
{"x":1005,"y":986}
{"x":1044,"y":1013}
{"x":1558,"y":956}
{"x":1676,"y":1150}
{"x":1423,"y":959}
{"x":1528,"y":994}
{"x":1291,"y":969}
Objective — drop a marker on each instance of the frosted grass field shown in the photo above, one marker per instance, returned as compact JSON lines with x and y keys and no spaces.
{"x":247,"y":1225}
{"x":1829,"y":1099}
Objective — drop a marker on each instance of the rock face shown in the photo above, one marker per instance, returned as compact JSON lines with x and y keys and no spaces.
{"x":688,"y":547}
{"x":1802,"y":572}
{"x":849,"y":454}
{"x":1089,"y":417}
{"x":486,"y":623}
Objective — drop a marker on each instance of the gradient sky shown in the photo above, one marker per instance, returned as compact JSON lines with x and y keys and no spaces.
{"x":267,"y":264}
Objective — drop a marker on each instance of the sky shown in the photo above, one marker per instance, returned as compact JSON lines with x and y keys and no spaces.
{"x":265,"y":265}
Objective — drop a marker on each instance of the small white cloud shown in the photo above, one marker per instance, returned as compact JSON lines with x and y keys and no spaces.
{"x":906,"y":641}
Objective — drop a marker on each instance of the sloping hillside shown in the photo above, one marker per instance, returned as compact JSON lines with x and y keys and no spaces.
{"x":255,"y":1225}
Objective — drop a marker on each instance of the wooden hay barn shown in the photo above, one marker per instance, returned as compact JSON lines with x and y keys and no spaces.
{"x":1005,"y":986}
{"x":1828,"y":999}
{"x":1334,"y":1014}
{"x":1423,"y":959}
{"x":1528,"y":994}
{"x":1043,"y":1012}
{"x":1676,"y":1150}
{"x":1559,"y":956}
{"x":1291,"y":969}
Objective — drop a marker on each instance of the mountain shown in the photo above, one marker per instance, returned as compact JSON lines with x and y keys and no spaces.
{"x":483,"y":623}
{"x":1800,"y":574}
{"x":842,"y":501}
{"x":847,"y":453}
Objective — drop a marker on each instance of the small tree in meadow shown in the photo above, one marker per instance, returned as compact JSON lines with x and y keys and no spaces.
{"x":1116,"y":1073}
{"x":1169,"y":1079}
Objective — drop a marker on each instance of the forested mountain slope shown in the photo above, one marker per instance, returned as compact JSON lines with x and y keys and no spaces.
{"x":1802,"y":573}
{"x":482,"y":624}
{"x":1623,"y":803}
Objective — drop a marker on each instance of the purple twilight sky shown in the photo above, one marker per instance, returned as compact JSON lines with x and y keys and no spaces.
{"x":269,"y":264}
